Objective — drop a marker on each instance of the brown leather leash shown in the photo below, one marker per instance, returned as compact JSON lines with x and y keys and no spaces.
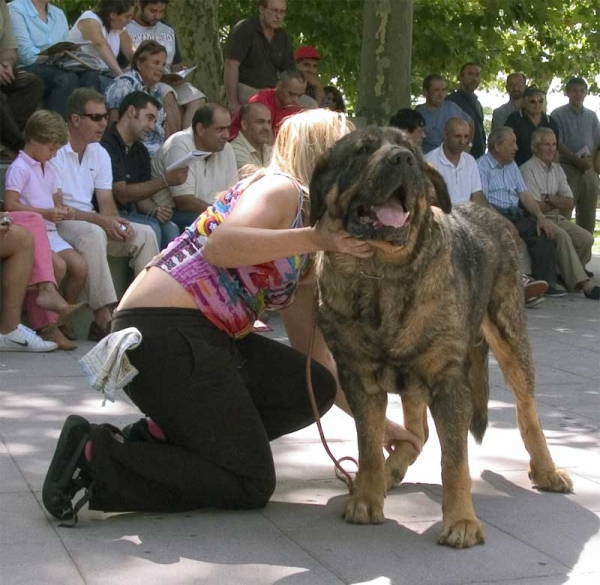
{"x":340,"y":472}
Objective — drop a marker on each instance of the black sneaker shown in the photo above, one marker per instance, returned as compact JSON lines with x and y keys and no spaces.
{"x":555,"y":292}
{"x":69,"y":471}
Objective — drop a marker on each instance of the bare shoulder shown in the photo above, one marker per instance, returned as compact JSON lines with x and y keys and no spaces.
{"x":270,"y":202}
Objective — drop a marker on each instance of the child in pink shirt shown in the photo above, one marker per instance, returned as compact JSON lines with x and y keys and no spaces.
{"x":33,"y":185}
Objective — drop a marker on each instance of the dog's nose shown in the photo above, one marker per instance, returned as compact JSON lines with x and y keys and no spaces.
{"x":401,"y":157}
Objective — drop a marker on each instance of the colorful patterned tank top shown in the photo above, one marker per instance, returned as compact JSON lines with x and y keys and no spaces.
{"x":231,"y":298}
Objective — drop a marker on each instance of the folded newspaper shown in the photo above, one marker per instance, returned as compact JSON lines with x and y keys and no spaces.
{"x":185,"y":161}
{"x":175,"y":76}
{"x":63,"y":46}
{"x":106,"y":365}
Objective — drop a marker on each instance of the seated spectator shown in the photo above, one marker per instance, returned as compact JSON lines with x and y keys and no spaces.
{"x":515,"y":86}
{"x":86,"y":174}
{"x":282,"y":100}
{"x":257,"y":51}
{"x":505,"y":190}
{"x":412,"y":122}
{"x":147,"y":25}
{"x":525,"y":121}
{"x":20,"y":92}
{"x":132,"y":183}
{"x":251,"y":147}
{"x":458,"y":168}
{"x":37,"y":25}
{"x":207,"y":175}
{"x":579,"y":141}
{"x":16,"y":254}
{"x":104,"y":29}
{"x":547,"y":182}
{"x":307,"y":60}
{"x":436,"y":111}
{"x":147,"y":68}
{"x":32,"y":185}
{"x":333,"y":100}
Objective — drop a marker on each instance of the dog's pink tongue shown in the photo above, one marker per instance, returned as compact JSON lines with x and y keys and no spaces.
{"x":391,"y":214}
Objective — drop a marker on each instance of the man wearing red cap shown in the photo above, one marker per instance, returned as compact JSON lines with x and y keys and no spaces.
{"x":307,"y":60}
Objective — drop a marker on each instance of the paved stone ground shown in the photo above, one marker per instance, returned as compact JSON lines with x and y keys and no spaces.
{"x":532,"y":538}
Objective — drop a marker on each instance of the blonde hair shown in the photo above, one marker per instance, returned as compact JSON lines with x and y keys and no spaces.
{"x":303,"y":138}
{"x":46,"y":127}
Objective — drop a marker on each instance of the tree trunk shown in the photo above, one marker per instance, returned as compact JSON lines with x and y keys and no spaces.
{"x":384,"y":83}
{"x":196,"y":25}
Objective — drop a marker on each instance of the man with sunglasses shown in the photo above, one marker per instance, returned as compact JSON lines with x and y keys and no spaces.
{"x":84,"y":168}
{"x":258,"y":49}
{"x":527,"y":120}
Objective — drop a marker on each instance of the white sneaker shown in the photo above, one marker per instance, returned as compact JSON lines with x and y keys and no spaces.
{"x":24,"y":339}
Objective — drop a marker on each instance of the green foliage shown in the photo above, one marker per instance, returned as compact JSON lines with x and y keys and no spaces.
{"x":544,"y":39}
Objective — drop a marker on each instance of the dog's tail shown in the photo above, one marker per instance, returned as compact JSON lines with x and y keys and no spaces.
{"x":480,"y":389}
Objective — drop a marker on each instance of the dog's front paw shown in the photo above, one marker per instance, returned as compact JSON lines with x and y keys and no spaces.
{"x":364,"y":511}
{"x":556,"y":480}
{"x":462,"y":533}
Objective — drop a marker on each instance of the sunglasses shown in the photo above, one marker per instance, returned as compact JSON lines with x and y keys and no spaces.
{"x":96,"y":117}
{"x":540,"y":101}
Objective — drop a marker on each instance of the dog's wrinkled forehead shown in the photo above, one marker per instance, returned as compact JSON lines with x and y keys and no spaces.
{"x":352,"y":154}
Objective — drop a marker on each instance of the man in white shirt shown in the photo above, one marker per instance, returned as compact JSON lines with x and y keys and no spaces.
{"x":207,"y":175}
{"x":547,"y":182}
{"x":251,"y":145}
{"x":85,"y":172}
{"x":453,"y":161}
{"x":147,"y":24}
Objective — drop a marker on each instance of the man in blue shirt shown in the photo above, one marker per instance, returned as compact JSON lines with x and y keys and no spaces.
{"x":436,"y":112}
{"x":579,"y":141}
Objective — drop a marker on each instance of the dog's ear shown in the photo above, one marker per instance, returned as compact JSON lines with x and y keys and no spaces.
{"x":439,"y":195}
{"x":320,"y":184}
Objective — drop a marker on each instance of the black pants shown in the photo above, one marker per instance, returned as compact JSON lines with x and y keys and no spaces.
{"x":18,"y":100}
{"x":218,"y":401}
{"x":540,"y":248}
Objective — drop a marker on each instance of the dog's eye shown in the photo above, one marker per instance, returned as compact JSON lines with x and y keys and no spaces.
{"x":364,"y":148}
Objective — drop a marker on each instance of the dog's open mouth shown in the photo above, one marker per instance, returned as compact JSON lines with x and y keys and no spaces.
{"x":392,"y":213}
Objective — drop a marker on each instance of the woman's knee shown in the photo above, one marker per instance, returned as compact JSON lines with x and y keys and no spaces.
{"x":258,"y":491}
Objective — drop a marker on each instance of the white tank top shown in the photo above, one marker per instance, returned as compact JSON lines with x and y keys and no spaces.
{"x":113,"y":37}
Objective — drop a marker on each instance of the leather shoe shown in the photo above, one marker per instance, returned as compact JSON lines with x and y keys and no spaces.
{"x":97,"y":333}
{"x":594,"y":294}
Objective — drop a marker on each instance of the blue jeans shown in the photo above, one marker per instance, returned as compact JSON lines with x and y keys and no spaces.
{"x":164,"y":232}
{"x":60,"y":84}
{"x":184,"y":219}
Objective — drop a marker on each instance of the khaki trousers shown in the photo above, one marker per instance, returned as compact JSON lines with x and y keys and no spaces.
{"x":573,"y":250}
{"x":91,"y":242}
{"x":585,"y":194}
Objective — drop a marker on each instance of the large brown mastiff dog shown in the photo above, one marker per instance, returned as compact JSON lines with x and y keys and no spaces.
{"x":417,"y":317}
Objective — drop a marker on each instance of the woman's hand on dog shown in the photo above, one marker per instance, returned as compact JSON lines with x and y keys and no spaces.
{"x":394,"y":433}
{"x":330,"y":239}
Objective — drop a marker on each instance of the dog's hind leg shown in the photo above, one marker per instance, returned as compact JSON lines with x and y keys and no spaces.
{"x":365,"y":505}
{"x":451,"y":410}
{"x":414,"y":408}
{"x":505,"y":331}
